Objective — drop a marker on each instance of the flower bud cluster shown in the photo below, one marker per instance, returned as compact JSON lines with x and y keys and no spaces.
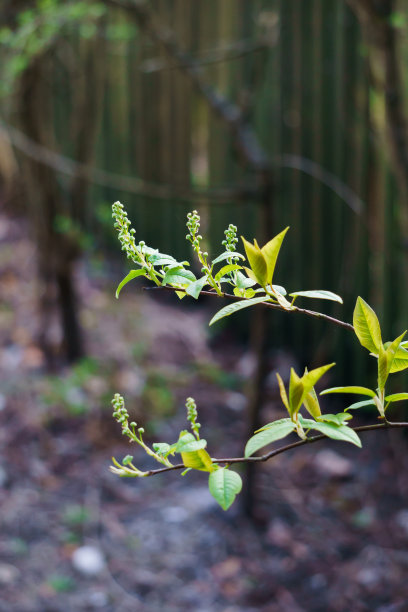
{"x":192,"y":415}
{"x":193,"y":225}
{"x":230,"y":237}
{"x":126,"y":235}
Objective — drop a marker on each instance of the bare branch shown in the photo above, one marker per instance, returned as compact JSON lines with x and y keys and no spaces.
{"x":236,"y":50}
{"x":245,"y":138}
{"x":70,"y":167}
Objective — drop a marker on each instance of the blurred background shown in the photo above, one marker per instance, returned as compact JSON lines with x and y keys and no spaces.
{"x":261,"y":113}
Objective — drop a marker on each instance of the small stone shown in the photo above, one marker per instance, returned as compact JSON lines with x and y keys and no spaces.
{"x":8,"y":573}
{"x":88,"y":560}
{"x":332,"y":464}
{"x":235,"y":401}
{"x":3,"y":477}
{"x":98,"y":599}
{"x":402,"y":520}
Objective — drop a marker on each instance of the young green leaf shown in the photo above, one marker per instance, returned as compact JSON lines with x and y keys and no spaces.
{"x":276,"y":431}
{"x":318,"y":293}
{"x":196,"y":287}
{"x":132,"y":274}
{"x":400,"y":361}
{"x":226,"y":270}
{"x":384,"y":364}
{"x":336,"y":432}
{"x":178,"y":276}
{"x":362,"y":404}
{"x":356,"y":390}
{"x":309,"y":379}
{"x":231,"y":308}
{"x":279,"y":289}
{"x":366,"y":326}
{"x":198,"y":460}
{"x":224,"y":486}
{"x":396,"y":397}
{"x":270,"y":251}
{"x":282,"y":392}
{"x":161,"y":259}
{"x":227,"y":255}
{"x":311,"y":403}
{"x":243,"y":282}
{"x":392,"y":348}
{"x":338,"y":419}
{"x":296,"y":391}
{"x":275,"y":424}
{"x":257,"y":261}
{"x":188,"y":443}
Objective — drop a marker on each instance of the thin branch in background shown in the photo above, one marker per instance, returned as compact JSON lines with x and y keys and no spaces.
{"x":228,"y":53}
{"x":310,"y":167}
{"x":66,"y":165}
{"x":244,"y":136}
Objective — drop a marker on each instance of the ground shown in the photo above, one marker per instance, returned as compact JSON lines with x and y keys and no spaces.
{"x":332,"y":521}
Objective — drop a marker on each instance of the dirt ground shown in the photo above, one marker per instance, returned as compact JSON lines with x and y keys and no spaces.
{"x":332,"y":521}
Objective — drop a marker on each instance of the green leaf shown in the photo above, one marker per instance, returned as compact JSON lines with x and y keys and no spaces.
{"x":132,"y":274}
{"x":282,"y":392}
{"x":243,"y":282}
{"x":196,"y":287}
{"x":227,"y":255}
{"x":231,"y":308}
{"x":311,"y":403}
{"x":161,"y":259}
{"x":338,"y":419}
{"x":391,"y":352}
{"x":367,"y":326}
{"x":178,"y":276}
{"x":257,"y":261}
{"x":396,"y":397}
{"x":198,"y":460}
{"x":188,"y":443}
{"x":296,"y":391}
{"x":318,"y":293}
{"x":309,"y":379}
{"x":275,"y":431}
{"x":226,"y":270}
{"x":161,"y":448}
{"x":279,"y":289}
{"x":362,"y":404}
{"x":356,"y":390}
{"x":384,"y":364}
{"x":224,"y":486}
{"x":400,"y":361}
{"x":270,"y":251}
{"x":275,"y":424}
{"x":336,"y":432}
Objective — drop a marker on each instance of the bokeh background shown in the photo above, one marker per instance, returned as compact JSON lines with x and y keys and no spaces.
{"x":261,"y":113}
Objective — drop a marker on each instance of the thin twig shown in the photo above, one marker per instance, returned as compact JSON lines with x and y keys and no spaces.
{"x":229,"y":296}
{"x":282,"y":449}
{"x":98,"y":176}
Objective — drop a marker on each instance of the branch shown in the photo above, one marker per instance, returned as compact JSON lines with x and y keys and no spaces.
{"x":229,"y":296}
{"x":282,"y":449}
{"x":70,"y":167}
{"x":243,"y":134}
{"x":233,"y":51}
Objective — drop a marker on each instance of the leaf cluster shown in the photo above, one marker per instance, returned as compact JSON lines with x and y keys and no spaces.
{"x":251,"y":277}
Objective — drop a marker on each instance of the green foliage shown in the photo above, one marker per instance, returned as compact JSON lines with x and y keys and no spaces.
{"x":224,"y":486}
{"x":251,"y":288}
{"x":390,"y":358}
{"x":37,"y":30}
